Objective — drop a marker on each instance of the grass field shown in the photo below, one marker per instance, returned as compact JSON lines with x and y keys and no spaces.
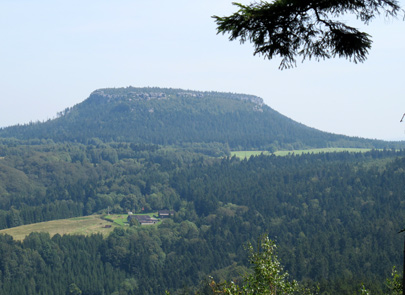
{"x":122,"y":219}
{"x":324,"y":150}
{"x":85,"y":225}
{"x":79,"y":225}
{"x":248,"y":154}
{"x":118,"y":219}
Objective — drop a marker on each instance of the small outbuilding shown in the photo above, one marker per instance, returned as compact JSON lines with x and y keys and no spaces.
{"x":143,"y":219}
{"x":165,"y":213}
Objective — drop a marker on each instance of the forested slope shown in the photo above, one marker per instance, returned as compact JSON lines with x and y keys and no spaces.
{"x":176,"y":117}
{"x":333,"y":215}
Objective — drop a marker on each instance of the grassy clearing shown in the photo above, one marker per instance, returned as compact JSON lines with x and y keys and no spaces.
{"x":324,"y":150}
{"x":118,"y":219}
{"x":248,"y":154}
{"x":85,"y":225}
{"x":80,"y":225}
{"x":121,"y":219}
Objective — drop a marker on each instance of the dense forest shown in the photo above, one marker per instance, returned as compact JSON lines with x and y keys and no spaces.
{"x":334,"y":216}
{"x":175,"y":117}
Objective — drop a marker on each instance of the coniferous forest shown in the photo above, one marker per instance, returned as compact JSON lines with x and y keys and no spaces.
{"x":334,"y":216}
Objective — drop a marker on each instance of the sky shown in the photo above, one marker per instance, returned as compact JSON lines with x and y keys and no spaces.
{"x":54,"y":53}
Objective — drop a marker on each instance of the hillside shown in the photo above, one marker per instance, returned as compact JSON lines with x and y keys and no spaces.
{"x":178,"y":117}
{"x":334,"y":216}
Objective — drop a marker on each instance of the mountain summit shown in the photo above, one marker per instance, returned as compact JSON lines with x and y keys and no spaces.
{"x":175,"y":116}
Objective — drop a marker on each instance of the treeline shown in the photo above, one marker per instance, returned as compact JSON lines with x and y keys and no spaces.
{"x":172,"y":256}
{"x":41,"y":265}
{"x":333,"y":215}
{"x":40,"y":182}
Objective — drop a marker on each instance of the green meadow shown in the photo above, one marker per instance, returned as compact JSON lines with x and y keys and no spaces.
{"x":248,"y":154}
{"x":79,"y":225}
{"x":85,"y":225}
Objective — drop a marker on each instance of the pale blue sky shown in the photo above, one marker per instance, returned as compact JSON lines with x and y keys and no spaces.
{"x":53,"y":54}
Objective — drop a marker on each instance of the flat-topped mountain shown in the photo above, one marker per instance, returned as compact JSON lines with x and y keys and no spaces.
{"x":176,"y":116}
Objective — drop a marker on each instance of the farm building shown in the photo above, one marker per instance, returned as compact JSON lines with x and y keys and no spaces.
{"x":143,"y":219}
{"x":165,"y":213}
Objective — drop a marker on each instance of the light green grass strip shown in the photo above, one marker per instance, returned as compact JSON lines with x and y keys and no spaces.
{"x":324,"y":150}
{"x":248,"y":154}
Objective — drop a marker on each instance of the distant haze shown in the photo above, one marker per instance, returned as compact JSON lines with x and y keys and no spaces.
{"x":54,"y":54}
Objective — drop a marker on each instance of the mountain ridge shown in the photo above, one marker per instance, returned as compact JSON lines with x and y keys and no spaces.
{"x":141,"y":94}
{"x":168,"y":116}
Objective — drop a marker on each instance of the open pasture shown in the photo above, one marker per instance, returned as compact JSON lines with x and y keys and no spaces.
{"x":86,"y":225}
{"x":248,"y":154}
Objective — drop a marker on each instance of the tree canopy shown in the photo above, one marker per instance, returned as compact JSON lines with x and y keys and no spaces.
{"x":334,"y":216}
{"x":305,"y":28}
{"x":268,"y":276}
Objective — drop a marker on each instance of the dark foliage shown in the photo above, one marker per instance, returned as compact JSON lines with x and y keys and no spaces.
{"x":310,"y":29}
{"x":335,"y":216}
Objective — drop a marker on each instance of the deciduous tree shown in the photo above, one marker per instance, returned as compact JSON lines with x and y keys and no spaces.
{"x":268,"y":275}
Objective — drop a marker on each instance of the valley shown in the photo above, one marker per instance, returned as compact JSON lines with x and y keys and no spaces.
{"x":333,"y":204}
